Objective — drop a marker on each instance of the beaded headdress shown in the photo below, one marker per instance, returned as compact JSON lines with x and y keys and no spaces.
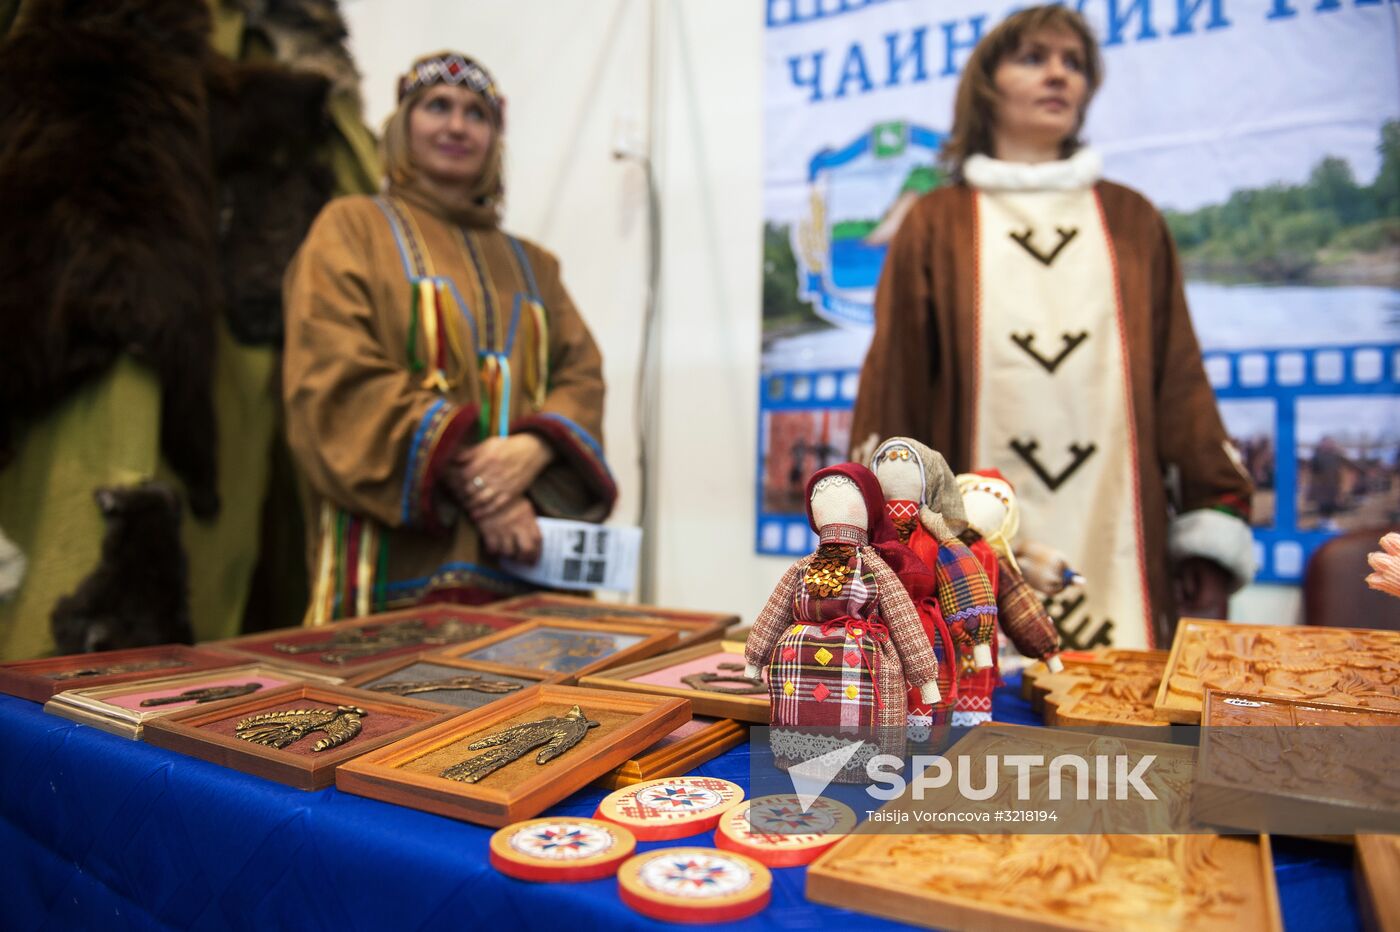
{"x":450,"y":68}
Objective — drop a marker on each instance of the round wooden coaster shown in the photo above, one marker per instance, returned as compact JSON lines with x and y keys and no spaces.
{"x":774,"y":830}
{"x":561,"y":850}
{"x":694,"y":885}
{"x":674,"y":807}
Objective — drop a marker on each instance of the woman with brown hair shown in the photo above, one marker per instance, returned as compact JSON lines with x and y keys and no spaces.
{"x":441,"y":389}
{"x":1031,"y":318}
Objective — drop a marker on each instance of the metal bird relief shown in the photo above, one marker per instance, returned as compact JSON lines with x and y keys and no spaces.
{"x":205,"y":694}
{"x":279,"y":729}
{"x":556,"y":733}
{"x":471,"y":682}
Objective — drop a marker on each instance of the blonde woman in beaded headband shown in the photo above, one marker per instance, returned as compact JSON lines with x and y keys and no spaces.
{"x":441,"y":389}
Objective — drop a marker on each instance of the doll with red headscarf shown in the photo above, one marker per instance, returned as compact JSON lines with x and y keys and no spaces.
{"x":922,"y":500}
{"x":839,"y":637}
{"x":993,"y":516}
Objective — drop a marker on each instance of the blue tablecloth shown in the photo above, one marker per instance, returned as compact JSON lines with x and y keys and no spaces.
{"x":97,"y":832}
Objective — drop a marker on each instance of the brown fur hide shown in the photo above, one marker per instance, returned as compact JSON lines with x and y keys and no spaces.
{"x":107,"y":244}
{"x":268,"y":128}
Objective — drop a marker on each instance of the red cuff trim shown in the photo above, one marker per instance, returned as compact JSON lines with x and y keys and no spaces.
{"x":577,"y":448}
{"x":442,"y":431}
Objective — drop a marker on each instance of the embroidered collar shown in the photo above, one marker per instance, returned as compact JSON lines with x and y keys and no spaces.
{"x":1078,"y":171}
{"x":845,"y":534}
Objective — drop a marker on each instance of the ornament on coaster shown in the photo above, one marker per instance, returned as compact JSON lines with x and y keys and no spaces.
{"x":993,"y":517}
{"x":561,"y":850}
{"x":922,"y":497}
{"x":779,"y":832}
{"x":840,"y":638}
{"x":672,"y":807}
{"x":694,"y":885}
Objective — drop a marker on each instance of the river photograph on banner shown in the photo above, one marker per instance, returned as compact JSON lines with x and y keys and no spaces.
{"x":1277,"y":180}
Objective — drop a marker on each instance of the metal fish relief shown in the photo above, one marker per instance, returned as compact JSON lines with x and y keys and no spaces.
{"x":470,"y":682}
{"x":367,"y":641}
{"x":279,"y":729}
{"x":205,"y":694}
{"x":556,"y":734}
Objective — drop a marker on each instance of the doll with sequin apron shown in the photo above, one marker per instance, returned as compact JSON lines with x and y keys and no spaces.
{"x":921,"y":497}
{"x":993,"y":517}
{"x":839,"y":638}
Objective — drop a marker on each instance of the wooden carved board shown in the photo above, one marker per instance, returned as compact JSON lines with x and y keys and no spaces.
{"x":1378,"y":881}
{"x":1340,"y":666}
{"x":1113,"y":881}
{"x":1118,"y":692}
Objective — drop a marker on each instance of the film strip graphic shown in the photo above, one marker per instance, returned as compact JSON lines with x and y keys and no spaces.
{"x":1354,"y":378}
{"x":1285,"y":378}
{"x":803,"y":425}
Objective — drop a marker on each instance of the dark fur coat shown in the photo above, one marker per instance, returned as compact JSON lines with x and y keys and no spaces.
{"x":106,"y":190}
{"x":138,"y":595}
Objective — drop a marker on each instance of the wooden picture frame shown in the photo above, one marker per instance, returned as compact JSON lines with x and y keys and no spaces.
{"x":1244,"y":651}
{"x":1246,"y":799}
{"x":38,"y":680}
{"x":119,"y":709}
{"x":692,"y":625}
{"x":435,"y":667}
{"x":692,"y":744}
{"x":208,"y":733}
{"x":655,"y":675}
{"x":408,"y":771}
{"x":438,"y":621}
{"x":527,"y":647}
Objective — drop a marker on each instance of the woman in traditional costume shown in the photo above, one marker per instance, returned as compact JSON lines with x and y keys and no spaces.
{"x":441,"y":389}
{"x":1031,"y":318}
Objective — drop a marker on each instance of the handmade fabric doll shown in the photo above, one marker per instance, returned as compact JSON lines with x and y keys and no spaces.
{"x":839,"y":636}
{"x":924,"y":504}
{"x":901,"y":477}
{"x":993,"y":516}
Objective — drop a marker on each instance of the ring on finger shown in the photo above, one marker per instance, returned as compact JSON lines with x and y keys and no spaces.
{"x":478,"y":483}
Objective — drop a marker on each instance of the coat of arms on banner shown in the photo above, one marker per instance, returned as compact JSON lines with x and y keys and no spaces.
{"x":858,"y":195}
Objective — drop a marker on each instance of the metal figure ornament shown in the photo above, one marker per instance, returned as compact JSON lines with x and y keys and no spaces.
{"x":556,"y":733}
{"x":112,"y":669}
{"x":204,"y":694}
{"x":279,"y":729}
{"x":367,"y":641}
{"x":729,"y":673}
{"x":471,"y":681}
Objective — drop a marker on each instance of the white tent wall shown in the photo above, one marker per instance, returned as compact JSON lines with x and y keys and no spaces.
{"x":581,"y":78}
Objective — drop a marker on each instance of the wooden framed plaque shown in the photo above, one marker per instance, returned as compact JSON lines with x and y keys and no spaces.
{"x":692,"y":744}
{"x":710,"y":675}
{"x":1339,"y":666}
{"x":123,"y":709}
{"x":1121,"y":690}
{"x":447,"y":681}
{"x":502,"y":780}
{"x":314,"y":720}
{"x":346,"y":648}
{"x":691,"y":625}
{"x":37,"y":680}
{"x":568,"y":649}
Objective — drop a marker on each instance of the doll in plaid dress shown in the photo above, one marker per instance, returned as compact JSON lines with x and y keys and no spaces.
{"x":839,"y":637}
{"x":922,"y":499}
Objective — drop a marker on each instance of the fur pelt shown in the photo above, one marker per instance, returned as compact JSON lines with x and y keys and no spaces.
{"x":139,"y":593}
{"x":308,"y":35}
{"x":107,"y":244}
{"x":269,"y":130}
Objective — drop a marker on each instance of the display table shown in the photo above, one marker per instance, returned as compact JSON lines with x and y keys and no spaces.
{"x":98,"y":832}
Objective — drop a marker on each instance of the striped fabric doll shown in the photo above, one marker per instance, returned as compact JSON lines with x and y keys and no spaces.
{"x":839,"y":637}
{"x":923,"y":501}
{"x":992,"y":519}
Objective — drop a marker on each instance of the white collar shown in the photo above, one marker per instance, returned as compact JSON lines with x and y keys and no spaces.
{"x":1078,"y":171}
